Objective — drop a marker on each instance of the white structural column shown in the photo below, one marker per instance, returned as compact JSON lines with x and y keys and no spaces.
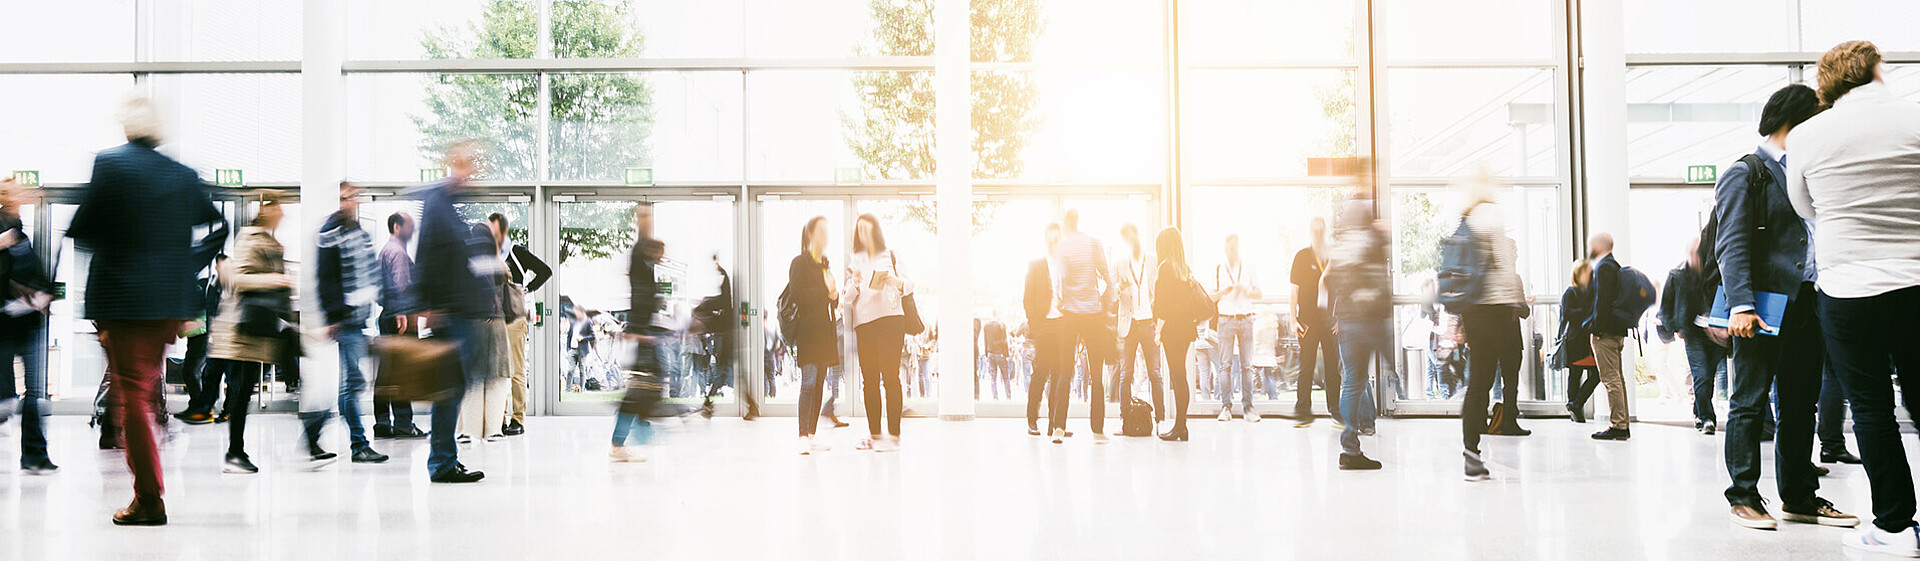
{"x":322,"y":166}
{"x":953,"y":192}
{"x":1604,"y":123}
{"x":1603,"y":140}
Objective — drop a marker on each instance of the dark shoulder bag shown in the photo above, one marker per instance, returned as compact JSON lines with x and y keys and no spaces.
{"x":915,"y":324}
{"x":264,"y":312}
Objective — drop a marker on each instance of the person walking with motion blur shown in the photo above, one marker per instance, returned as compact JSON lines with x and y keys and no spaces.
{"x":807,"y":303}
{"x":349,"y":277}
{"x":874,"y":295}
{"x":1180,"y":305}
{"x":246,"y":334}
{"x":1361,"y":280}
{"x":644,"y":380}
{"x":138,"y":219}
{"x":450,"y":281}
{"x":483,"y":413}
{"x":23,"y":330}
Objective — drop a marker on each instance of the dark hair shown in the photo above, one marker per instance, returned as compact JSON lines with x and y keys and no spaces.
{"x":1789,"y":107}
{"x":879,"y":239}
{"x":394,"y":221}
{"x":806,"y":233}
{"x":498,"y":220}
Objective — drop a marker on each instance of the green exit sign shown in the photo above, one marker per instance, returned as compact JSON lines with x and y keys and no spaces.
{"x":640,"y":176}
{"x":1702,"y":174}
{"x":228,"y":178}
{"x":848,"y":176}
{"x":27,"y":177}
{"x":430,"y":175}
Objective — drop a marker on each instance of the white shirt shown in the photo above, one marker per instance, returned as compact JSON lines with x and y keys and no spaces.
{"x":865,"y":303}
{"x":1238,"y":302}
{"x":1136,"y":287}
{"x":1855,"y":172}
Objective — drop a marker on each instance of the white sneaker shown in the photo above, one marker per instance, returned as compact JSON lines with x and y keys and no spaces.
{"x":886,"y":445}
{"x":819,"y":445}
{"x":496,"y":438}
{"x":1251,"y":417}
{"x":1226,"y":414}
{"x":1904,"y":543}
{"x":806,"y":445}
{"x":1059,"y":436}
{"x":1101,"y":438}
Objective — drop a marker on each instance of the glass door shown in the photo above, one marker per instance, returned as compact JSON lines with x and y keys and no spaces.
{"x":596,"y":236}
{"x":781,"y":221}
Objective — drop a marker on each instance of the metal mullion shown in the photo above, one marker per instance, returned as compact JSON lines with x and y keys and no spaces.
{"x":1276,"y":64}
{"x":1467,"y":63}
{"x":213,"y":67}
{"x":1271,"y":181}
{"x":526,"y":65}
{"x":1058,"y":66}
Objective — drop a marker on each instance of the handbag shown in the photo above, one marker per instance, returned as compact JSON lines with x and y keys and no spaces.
{"x":513,"y":296}
{"x":263,"y":312}
{"x":915,"y":324}
{"x":412,"y":369}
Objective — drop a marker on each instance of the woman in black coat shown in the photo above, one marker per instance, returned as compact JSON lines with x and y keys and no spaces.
{"x":811,"y":288}
{"x":1576,"y":348}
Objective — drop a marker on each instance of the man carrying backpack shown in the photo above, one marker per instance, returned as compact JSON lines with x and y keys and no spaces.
{"x":1763,"y":248}
{"x":1609,"y":326}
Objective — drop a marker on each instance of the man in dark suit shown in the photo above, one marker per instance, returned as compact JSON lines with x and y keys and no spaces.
{"x":137,"y":220}
{"x":1609,"y":334}
{"x":457,"y":298}
{"x":1043,"y":328}
{"x":1763,"y":247}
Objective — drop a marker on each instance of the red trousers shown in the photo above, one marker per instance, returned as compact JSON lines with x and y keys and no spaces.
{"x":136,"y":354}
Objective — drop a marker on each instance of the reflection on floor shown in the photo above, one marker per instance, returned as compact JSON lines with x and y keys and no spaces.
{"x":730,"y":489}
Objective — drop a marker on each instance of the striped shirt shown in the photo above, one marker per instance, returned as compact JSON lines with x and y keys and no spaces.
{"x":1083,"y":267}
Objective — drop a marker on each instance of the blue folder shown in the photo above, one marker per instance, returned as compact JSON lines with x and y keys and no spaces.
{"x":1772,"y":307}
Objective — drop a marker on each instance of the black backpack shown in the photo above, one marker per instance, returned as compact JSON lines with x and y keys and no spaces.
{"x":787,"y":312}
{"x":1136,"y":418}
{"x":1462,"y":266}
{"x":1759,"y":179}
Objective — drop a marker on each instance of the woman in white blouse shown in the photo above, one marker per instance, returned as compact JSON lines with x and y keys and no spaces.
{"x":872,"y":296}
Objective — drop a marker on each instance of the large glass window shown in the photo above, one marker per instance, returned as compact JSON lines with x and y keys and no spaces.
{"x":398,"y":124}
{"x":1689,"y":115}
{"x":67,"y":31}
{"x":806,"y":124}
{"x":60,"y":144}
{"x":686,"y":126}
{"x":1709,"y":26}
{"x":420,"y":29}
{"x":1214,"y":30}
{"x":1266,"y":123}
{"x":226,"y":30}
{"x":1070,"y":126}
{"x":1888,"y":23}
{"x":249,"y":122}
{"x":1445,"y":122}
{"x":1468,"y":29}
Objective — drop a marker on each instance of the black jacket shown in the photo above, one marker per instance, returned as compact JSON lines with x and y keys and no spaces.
{"x":817,"y":341}
{"x":444,"y":280}
{"x":1175,"y":311}
{"x":1038,"y":298}
{"x":524,"y":262}
{"x":1681,"y":301}
{"x":137,"y":219}
{"x":644,"y":289}
{"x":1575,"y":306}
{"x":1601,"y":318}
{"x":1777,"y":259}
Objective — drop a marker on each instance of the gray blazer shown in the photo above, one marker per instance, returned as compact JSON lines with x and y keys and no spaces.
{"x":1768,"y":253}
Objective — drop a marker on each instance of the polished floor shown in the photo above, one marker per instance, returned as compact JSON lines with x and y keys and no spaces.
{"x":732,"y":489}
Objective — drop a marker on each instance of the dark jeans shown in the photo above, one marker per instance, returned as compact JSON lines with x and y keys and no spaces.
{"x":1581,"y":382}
{"x":136,"y":363}
{"x":1046,"y":364}
{"x":443,"y":453}
{"x":810,"y":378}
{"x":881,"y":342}
{"x":353,"y":350}
{"x":193,"y":376}
{"x":1493,"y":334}
{"x":395,"y":414}
{"x":1703,"y":359}
{"x":242,"y":376}
{"x":30,"y":346}
{"x":1790,"y":364}
{"x":1361,"y":343}
{"x":1079,"y":330}
{"x":1319,"y":343}
{"x":1832,"y":427}
{"x":1141,"y":341}
{"x":1176,"y":352}
{"x":1861,"y":334}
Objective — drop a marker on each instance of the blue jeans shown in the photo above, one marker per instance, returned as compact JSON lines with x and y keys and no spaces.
{"x":31,"y":347}
{"x":1704,"y":359}
{"x":1360,"y":343}
{"x":1236,"y":355}
{"x":443,"y":454}
{"x":636,"y":426}
{"x":353,"y":381}
{"x":810,"y":398}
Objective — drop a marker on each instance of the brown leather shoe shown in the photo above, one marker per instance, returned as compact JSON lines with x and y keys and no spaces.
{"x":1818,"y":511}
{"x":153,"y":513}
{"x":1753,"y":517}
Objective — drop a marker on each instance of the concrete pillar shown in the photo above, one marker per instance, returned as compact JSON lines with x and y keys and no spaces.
{"x":1603,"y":141}
{"x":322,"y":166}
{"x":953,"y":192}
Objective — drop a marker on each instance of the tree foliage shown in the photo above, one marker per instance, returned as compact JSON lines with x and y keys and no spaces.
{"x":1422,"y":224}
{"x":892,"y":133}
{"x":598,"y":123}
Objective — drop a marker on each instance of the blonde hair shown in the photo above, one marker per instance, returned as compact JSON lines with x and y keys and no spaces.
{"x":140,"y":118}
{"x":1582,"y":270}
{"x":1846,"y":66}
{"x":1479,"y":187}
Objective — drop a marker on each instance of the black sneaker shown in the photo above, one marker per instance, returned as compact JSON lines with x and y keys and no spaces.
{"x":368,"y":456}
{"x":1613,"y":434}
{"x":409,"y":433}
{"x":318,"y":458}
{"x":1476,"y":470}
{"x":1358,"y":462}
{"x":42,"y":467}
{"x":513,"y":428}
{"x":239,"y":464}
{"x":1578,"y":415}
{"x":1839,"y":457}
{"x":458,"y":474}
{"x":1708,"y":428}
{"x":383,"y":431}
